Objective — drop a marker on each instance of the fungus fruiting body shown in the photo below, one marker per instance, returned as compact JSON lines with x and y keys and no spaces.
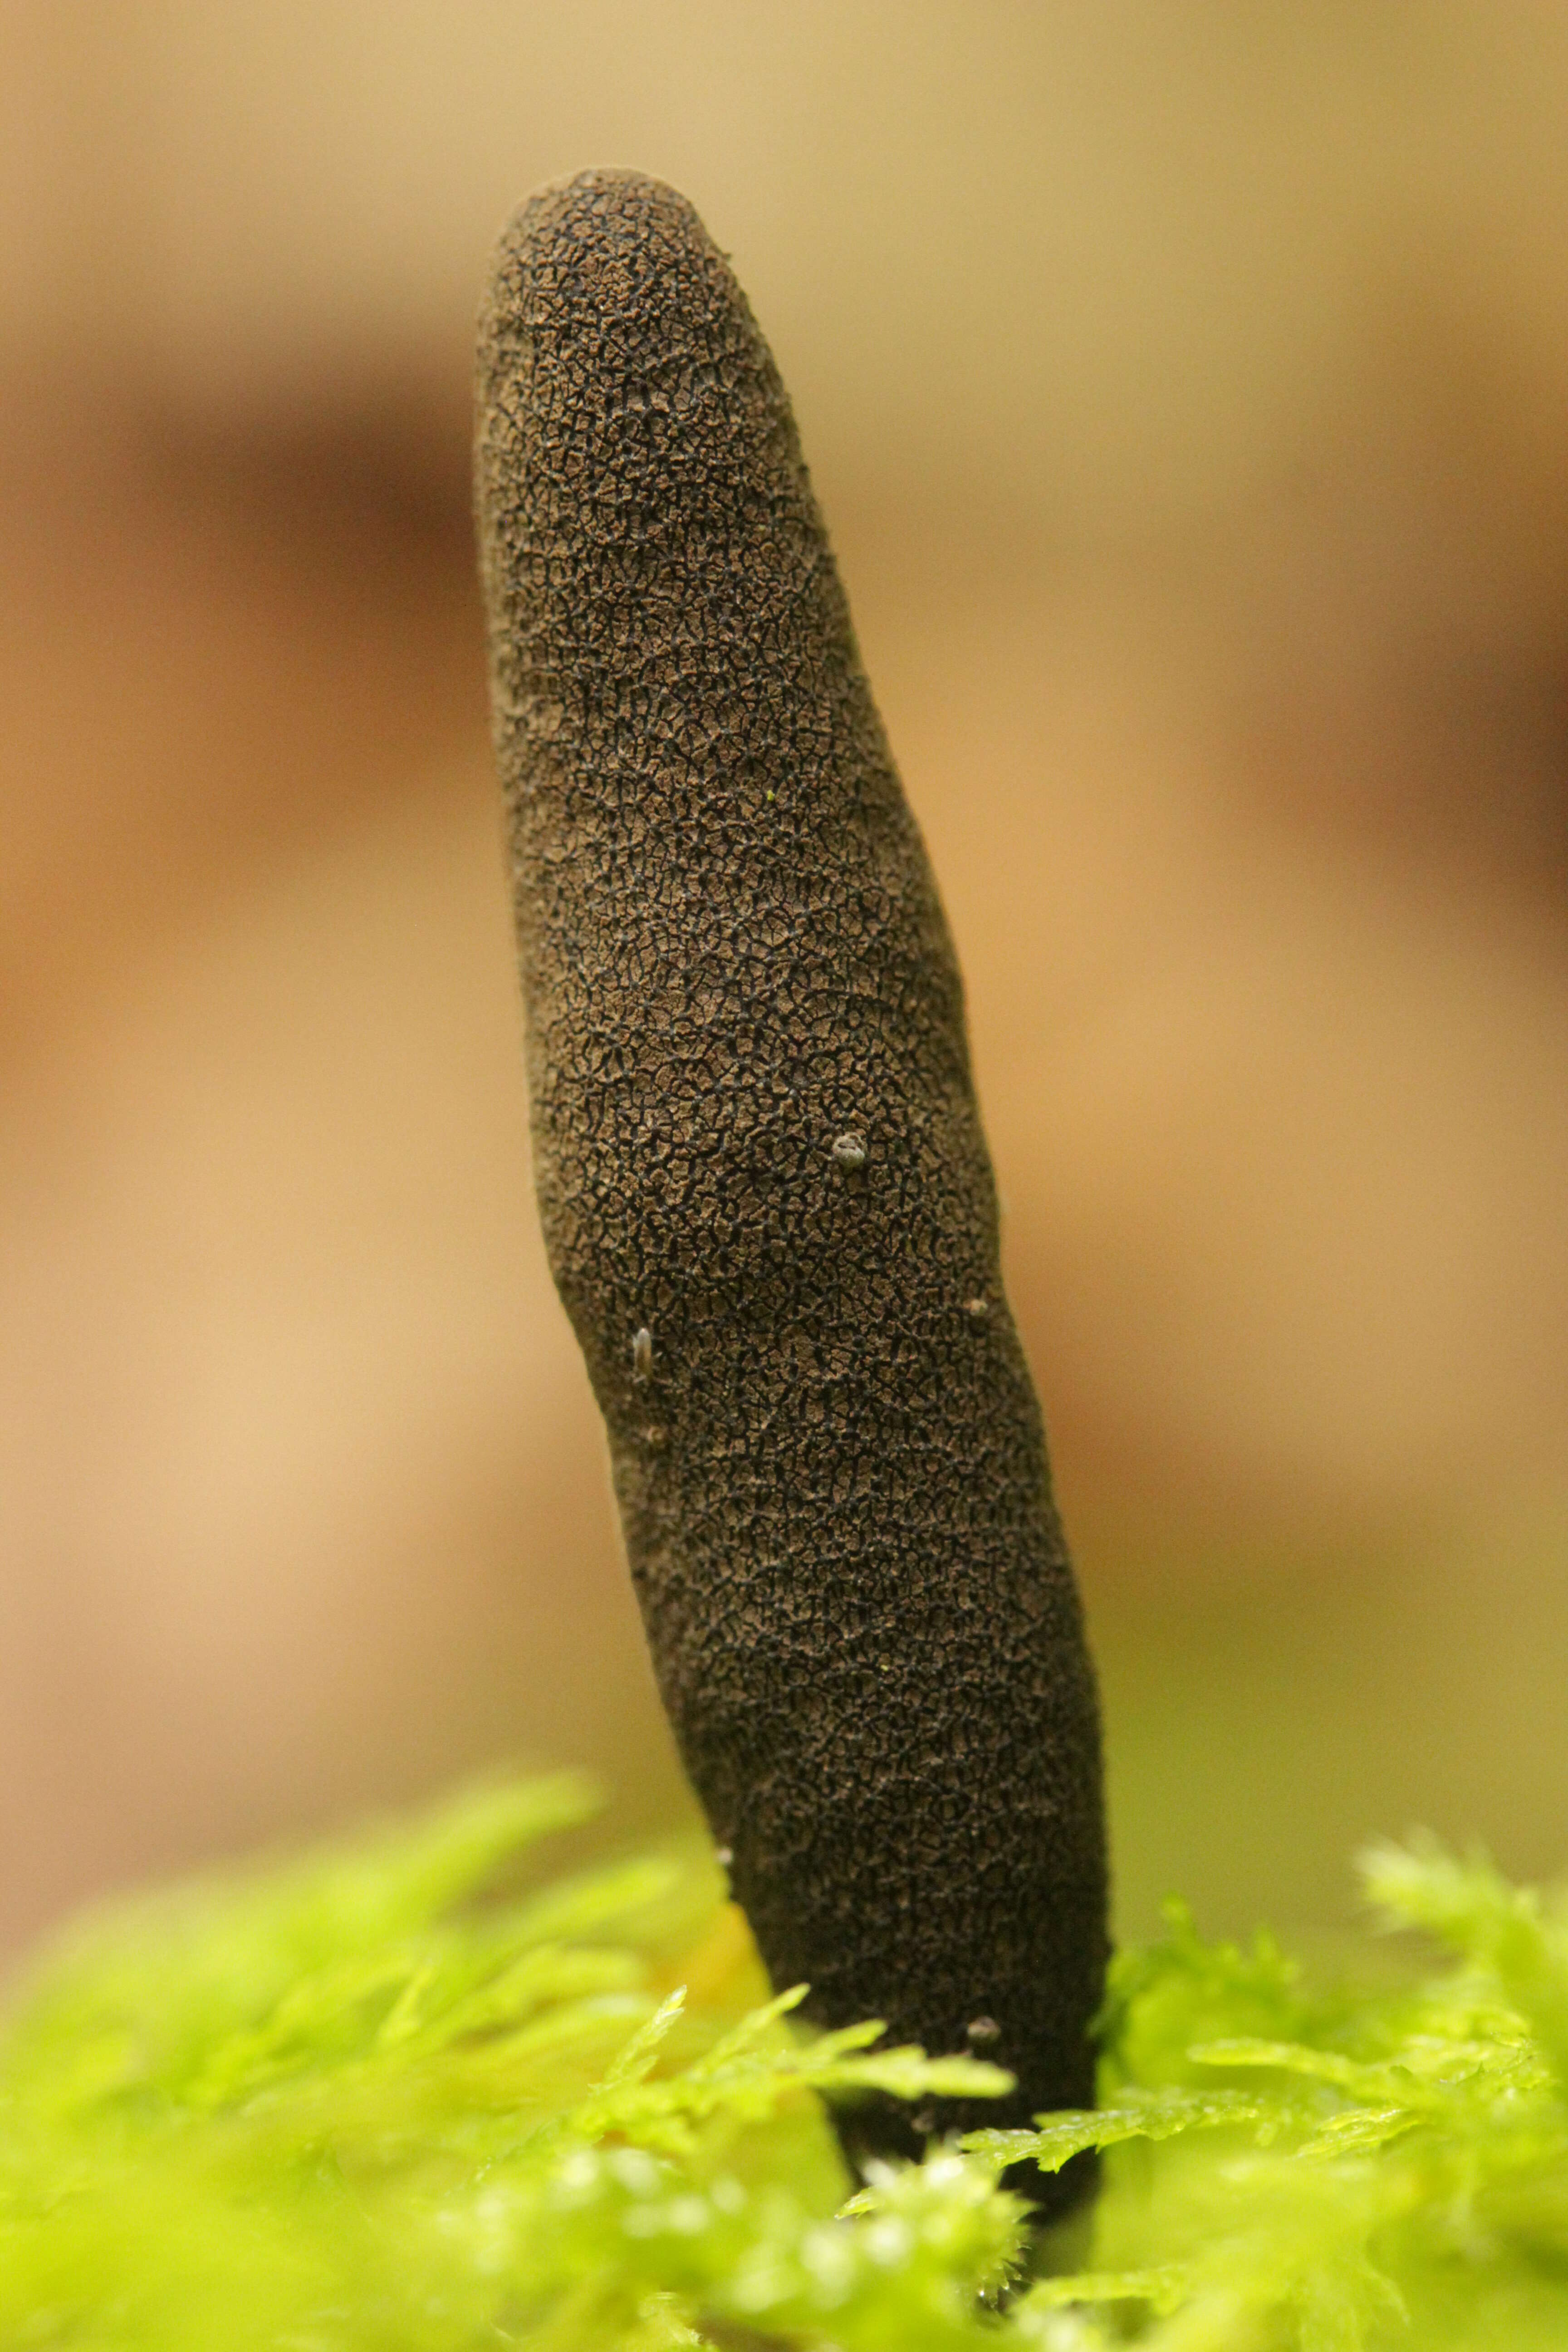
{"x":762,"y":1176}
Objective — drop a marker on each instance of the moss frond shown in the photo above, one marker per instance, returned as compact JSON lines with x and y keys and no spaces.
{"x":390,"y":2095}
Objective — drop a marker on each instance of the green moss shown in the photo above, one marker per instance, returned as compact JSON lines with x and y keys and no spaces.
{"x":392,"y":2095}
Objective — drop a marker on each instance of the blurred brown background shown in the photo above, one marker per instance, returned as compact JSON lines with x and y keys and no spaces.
{"x":1186,"y":384}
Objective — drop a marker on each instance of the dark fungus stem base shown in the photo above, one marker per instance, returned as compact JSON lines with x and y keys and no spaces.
{"x":764,"y":1184}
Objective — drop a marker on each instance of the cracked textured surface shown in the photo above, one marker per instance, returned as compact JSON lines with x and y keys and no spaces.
{"x":764,"y":1184}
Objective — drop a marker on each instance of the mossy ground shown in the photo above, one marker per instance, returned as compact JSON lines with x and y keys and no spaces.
{"x":395,"y":2093}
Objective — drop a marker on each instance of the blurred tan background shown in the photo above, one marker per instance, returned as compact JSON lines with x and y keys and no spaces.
{"x":1186,"y":384}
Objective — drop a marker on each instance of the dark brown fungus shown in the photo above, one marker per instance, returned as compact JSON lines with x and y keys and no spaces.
{"x":762,"y":1180}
